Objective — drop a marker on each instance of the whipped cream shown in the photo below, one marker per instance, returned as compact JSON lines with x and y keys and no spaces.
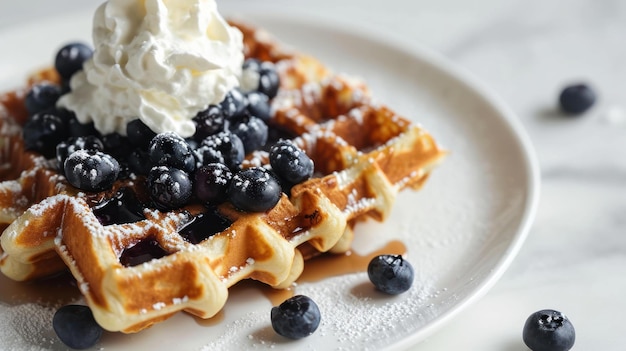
{"x":161,"y":61}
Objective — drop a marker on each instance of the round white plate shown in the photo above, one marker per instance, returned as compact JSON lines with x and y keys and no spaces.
{"x":461,"y":230}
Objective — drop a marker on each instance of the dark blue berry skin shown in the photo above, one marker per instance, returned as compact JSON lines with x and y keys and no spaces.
{"x":290,"y":163}
{"x":43,"y":131}
{"x":252,"y":131}
{"x":211,"y":183}
{"x":208,"y":122}
{"x":251,"y":64}
{"x":76,"y":327}
{"x":296,"y":317}
{"x":223,"y":147}
{"x":576,"y":99}
{"x":269,"y":80}
{"x":139,"y":162}
{"x":258,"y":106}
{"x":139,"y":134}
{"x":70,"y":59}
{"x":78,"y":129}
{"x":66,"y":148}
{"x":169,"y":149}
{"x":549,"y":330}
{"x":91,"y":170}
{"x":390,"y":274}
{"x":170,"y":188}
{"x":234,"y":104}
{"x":254,"y":190}
{"x":42,"y":97}
{"x":116,"y":145}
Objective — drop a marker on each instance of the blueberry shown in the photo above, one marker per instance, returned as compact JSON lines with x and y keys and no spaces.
{"x":224,"y":147}
{"x":42,"y":97}
{"x":211,"y":183}
{"x":70,"y":59}
{"x":169,"y":149}
{"x":43,"y":131}
{"x":269,"y":80}
{"x":296,"y":318}
{"x":252,"y":131}
{"x":76,"y":326}
{"x":390,"y":274}
{"x":66,"y":148}
{"x":139,"y":134}
{"x":251,"y":64}
{"x":576,"y":99}
{"x":254,"y":190}
{"x":170,"y":187}
{"x":258,"y":106}
{"x":139,"y":162}
{"x":548,"y":330}
{"x":208,"y":122}
{"x":91,"y":170}
{"x":290,"y":162}
{"x":76,"y":128}
{"x":116,"y":145}
{"x":234,"y":104}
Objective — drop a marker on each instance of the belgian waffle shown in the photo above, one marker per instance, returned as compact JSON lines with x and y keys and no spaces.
{"x":52,"y":225}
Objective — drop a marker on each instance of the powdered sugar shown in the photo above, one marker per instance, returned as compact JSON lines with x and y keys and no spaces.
{"x":27,"y":327}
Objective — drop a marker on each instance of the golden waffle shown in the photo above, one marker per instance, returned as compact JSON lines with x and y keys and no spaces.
{"x":52,"y":225}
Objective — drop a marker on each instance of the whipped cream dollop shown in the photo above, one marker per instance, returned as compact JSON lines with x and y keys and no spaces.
{"x":161,"y":61}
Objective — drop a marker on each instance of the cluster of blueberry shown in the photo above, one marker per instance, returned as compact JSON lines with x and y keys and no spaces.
{"x":205,"y":167}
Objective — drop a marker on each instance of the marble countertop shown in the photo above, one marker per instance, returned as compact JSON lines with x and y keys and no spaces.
{"x":574,"y":259}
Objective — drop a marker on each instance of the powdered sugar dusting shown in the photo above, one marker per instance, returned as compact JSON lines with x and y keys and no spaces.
{"x":27,"y":327}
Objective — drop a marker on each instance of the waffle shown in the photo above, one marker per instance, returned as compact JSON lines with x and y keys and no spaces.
{"x":51,"y":225}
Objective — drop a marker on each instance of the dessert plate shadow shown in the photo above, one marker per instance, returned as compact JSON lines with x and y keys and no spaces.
{"x":460,"y":232}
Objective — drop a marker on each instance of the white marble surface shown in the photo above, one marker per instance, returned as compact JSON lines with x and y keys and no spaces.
{"x":574,"y":259}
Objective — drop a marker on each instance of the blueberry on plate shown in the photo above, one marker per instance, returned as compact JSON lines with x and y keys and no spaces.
{"x":91,"y":170}
{"x":296,"y":318}
{"x":211,"y":183}
{"x":576,"y":99}
{"x":138,"y":133}
{"x":70,"y":59}
{"x":208,"y":122}
{"x":290,"y":162}
{"x":42,"y":97}
{"x":390,"y":274}
{"x":548,"y":330}
{"x":76,"y":327}
{"x":223,"y":147}
{"x":169,"y":187}
{"x":169,"y":149}
{"x":252,"y":131}
{"x":234,"y":104}
{"x":66,"y":148}
{"x":43,"y":131}
{"x":254,"y":190}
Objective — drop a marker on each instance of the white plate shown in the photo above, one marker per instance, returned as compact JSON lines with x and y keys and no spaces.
{"x":461,"y":231}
